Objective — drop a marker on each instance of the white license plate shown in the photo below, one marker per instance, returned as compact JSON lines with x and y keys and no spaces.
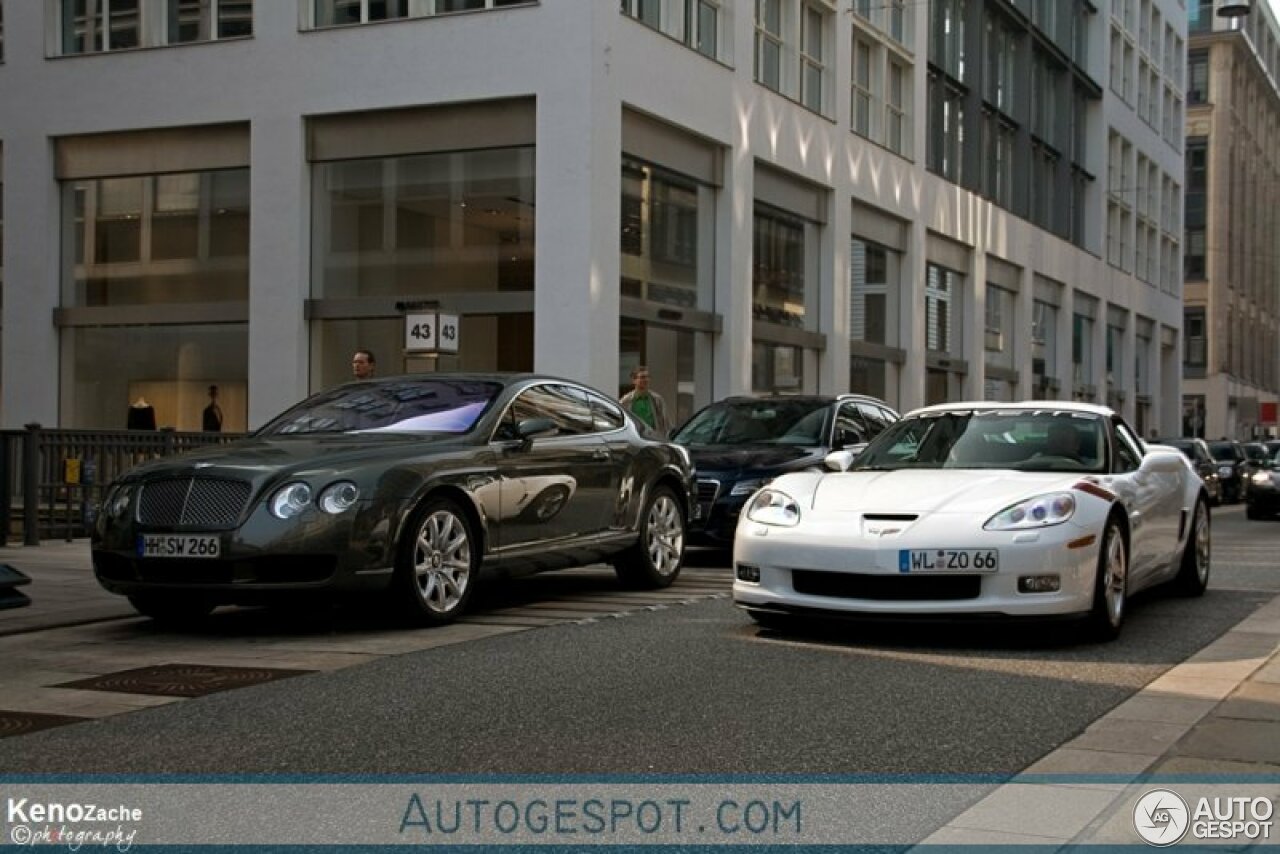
{"x":178,"y":545}
{"x":948,"y":560}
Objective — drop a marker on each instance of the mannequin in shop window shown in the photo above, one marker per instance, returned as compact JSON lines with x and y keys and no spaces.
{"x":142,"y":415}
{"x":211,"y":419}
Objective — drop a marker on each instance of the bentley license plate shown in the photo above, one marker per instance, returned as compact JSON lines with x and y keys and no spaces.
{"x":178,"y":545}
{"x":948,"y":560}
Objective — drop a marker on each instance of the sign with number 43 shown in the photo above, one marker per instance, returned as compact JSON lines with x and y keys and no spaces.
{"x":431,"y":333}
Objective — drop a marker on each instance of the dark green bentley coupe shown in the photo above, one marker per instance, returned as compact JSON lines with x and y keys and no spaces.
{"x":408,"y":484}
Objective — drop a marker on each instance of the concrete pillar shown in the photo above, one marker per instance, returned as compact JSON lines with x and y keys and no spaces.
{"x":912,"y":319}
{"x":734,"y":250}
{"x":579,"y":187}
{"x":279,"y":261}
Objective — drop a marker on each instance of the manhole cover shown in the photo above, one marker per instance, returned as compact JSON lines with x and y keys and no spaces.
{"x":21,"y":723}
{"x":181,"y":680}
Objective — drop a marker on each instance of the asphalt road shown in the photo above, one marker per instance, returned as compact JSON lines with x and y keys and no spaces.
{"x":688,"y":689}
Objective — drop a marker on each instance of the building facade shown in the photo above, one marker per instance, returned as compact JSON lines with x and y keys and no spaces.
{"x":923,"y":201}
{"x":1231,"y":355}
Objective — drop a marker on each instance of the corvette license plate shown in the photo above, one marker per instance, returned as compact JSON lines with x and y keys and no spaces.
{"x":948,"y":560}
{"x":178,"y":545}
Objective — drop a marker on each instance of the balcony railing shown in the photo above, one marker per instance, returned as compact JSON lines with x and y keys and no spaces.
{"x":52,"y":481}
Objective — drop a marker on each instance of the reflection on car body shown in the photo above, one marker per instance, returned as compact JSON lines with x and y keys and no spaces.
{"x":741,"y":443}
{"x":407,"y":484}
{"x":1040,"y":509}
{"x":1197,"y":453}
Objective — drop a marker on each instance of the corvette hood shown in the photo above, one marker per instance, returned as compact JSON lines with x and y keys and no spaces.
{"x":912,"y":491}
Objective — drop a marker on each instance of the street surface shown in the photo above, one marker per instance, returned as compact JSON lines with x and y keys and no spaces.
{"x":564,"y":673}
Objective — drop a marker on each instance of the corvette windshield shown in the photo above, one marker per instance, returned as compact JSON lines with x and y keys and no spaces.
{"x":401,"y":406}
{"x":1019,"y":439}
{"x":756,"y":422}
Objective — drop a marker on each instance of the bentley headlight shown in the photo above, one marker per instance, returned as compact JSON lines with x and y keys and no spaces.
{"x":117,"y":503}
{"x":290,"y":500}
{"x":338,"y":497}
{"x":1039,"y":512}
{"x":746,"y":487}
{"x":771,"y":507}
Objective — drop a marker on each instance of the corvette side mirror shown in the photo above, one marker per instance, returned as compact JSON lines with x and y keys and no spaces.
{"x":838,"y":460}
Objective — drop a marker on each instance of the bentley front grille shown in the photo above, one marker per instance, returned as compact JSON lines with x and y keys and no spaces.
{"x":200,"y":502}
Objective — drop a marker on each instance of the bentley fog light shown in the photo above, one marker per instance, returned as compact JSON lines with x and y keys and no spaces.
{"x":771,"y":507}
{"x":338,"y":497}
{"x":1039,"y":512}
{"x":290,"y":500}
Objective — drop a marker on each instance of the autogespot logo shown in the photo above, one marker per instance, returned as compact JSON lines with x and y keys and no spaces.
{"x":1161,"y":817}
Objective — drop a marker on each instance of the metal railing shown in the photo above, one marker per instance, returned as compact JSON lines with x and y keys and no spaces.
{"x":52,"y":481}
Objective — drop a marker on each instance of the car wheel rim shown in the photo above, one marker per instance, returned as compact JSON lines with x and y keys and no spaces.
{"x":1202,"y":547}
{"x":442,"y":561}
{"x":1114,"y":582}
{"x":664,"y":536}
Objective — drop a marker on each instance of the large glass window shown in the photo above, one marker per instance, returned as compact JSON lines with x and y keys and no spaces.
{"x":111,"y":371}
{"x":942,"y":294}
{"x":1195,"y":342}
{"x":999,"y":332}
{"x":337,"y":13}
{"x":1082,"y":355}
{"x":1044,"y":348}
{"x":873,"y":303}
{"x":414,"y":228}
{"x":149,"y":239}
{"x":92,"y":26}
{"x":793,"y":47}
{"x":780,"y":295}
{"x":696,"y":23}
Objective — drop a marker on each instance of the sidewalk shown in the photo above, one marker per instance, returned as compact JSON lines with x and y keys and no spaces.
{"x":1215,"y":716}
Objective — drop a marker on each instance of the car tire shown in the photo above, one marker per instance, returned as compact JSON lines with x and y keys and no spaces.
{"x":1252,"y":512}
{"x":1110,"y":586}
{"x":171,"y":608}
{"x":437,"y":564}
{"x":655,"y":559}
{"x":1193,"y":572}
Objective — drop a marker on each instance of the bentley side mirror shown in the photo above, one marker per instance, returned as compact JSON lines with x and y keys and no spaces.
{"x":534,"y":428}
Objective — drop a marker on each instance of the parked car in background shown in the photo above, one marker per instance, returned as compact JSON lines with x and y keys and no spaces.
{"x":741,"y":443}
{"x":1262,"y":501}
{"x":1272,"y":446}
{"x":1232,"y":469}
{"x":978,"y":510}
{"x":410,"y":485}
{"x":1256,"y":459}
{"x":1197,"y":452}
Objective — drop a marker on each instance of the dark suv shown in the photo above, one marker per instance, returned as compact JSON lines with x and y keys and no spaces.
{"x":741,"y":443}
{"x":1231,"y":462}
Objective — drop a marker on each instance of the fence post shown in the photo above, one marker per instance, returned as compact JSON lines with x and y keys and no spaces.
{"x":31,"y":486}
{"x":6,"y":491}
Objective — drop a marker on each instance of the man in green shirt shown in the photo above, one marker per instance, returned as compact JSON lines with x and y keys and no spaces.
{"x":645,"y":404}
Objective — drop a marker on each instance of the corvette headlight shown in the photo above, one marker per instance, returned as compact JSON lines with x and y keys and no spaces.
{"x":746,"y":487}
{"x":290,"y":500}
{"x":338,"y":497}
{"x":1039,"y":512}
{"x":771,"y":507}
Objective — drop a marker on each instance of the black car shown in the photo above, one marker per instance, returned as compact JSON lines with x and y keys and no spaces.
{"x":408,"y":484}
{"x":1262,"y":501}
{"x":1197,"y":452}
{"x":741,"y":443}
{"x":1232,"y":467}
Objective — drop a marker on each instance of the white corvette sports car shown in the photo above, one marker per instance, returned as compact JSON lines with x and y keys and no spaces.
{"x":1037,"y":509}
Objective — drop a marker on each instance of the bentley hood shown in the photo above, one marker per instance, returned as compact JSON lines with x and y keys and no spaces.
{"x":914,"y":491}
{"x":257,"y":457}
